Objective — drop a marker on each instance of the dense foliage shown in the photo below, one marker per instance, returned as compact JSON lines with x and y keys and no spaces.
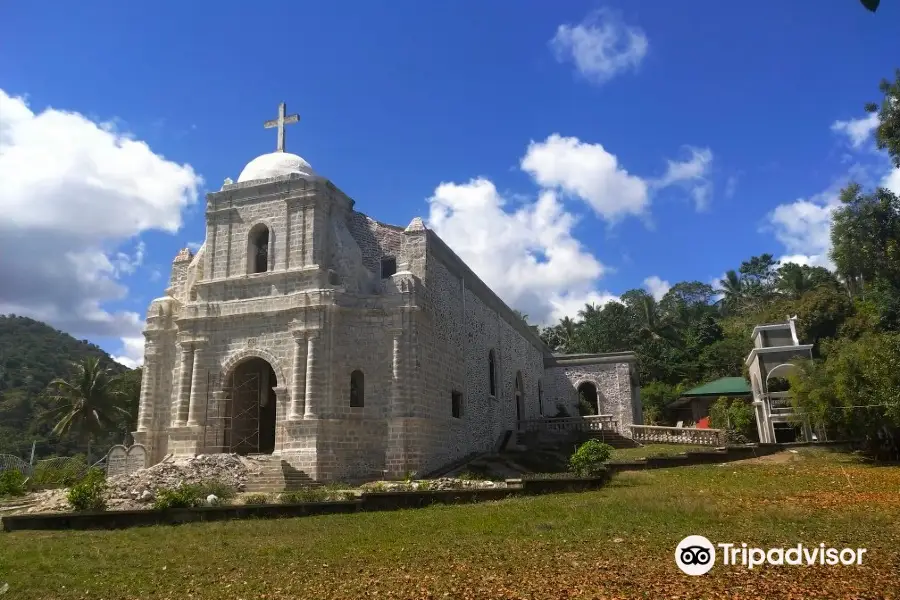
{"x":32,"y":354}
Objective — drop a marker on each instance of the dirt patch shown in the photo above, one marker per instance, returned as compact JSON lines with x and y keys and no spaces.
{"x":786,"y":456}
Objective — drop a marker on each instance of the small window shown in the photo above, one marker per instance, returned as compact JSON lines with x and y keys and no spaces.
{"x":492,"y":374}
{"x":456,"y":401}
{"x":357,"y":388}
{"x":388,"y":266}
{"x":540,"y":399}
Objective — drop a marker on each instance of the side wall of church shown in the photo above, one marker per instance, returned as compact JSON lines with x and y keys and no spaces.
{"x":458,"y":330}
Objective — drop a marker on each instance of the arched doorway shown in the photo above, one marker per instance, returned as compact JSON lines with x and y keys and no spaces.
{"x":251,"y":408}
{"x":588,"y":400}
{"x":519,"y":395}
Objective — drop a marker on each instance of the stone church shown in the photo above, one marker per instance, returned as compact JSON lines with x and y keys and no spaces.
{"x":352,"y":348}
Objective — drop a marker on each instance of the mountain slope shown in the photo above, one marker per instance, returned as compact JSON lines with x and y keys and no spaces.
{"x":32,"y":354}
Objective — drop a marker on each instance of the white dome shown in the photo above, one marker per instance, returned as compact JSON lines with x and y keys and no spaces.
{"x":275,"y":164}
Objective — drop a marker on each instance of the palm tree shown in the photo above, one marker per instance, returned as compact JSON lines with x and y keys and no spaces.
{"x":87,"y":403}
{"x":651,"y":322}
{"x":734,"y":291}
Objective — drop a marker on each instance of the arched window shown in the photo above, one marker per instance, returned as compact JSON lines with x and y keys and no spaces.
{"x":540,"y":398}
{"x":588,"y":399}
{"x":258,"y":249}
{"x":492,"y":374}
{"x":357,"y":388}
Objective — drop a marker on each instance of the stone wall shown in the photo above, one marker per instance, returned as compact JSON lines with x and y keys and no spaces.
{"x":462,"y":322}
{"x":614,"y":376}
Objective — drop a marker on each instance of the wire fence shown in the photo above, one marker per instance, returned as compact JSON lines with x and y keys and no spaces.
{"x":49,"y":472}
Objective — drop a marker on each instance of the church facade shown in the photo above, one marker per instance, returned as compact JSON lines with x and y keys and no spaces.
{"x":351,"y":348}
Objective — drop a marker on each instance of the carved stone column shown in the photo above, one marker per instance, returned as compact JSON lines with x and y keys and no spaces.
{"x":197,"y":387}
{"x":147,"y":402}
{"x":298,"y":383}
{"x":186,"y":374}
{"x":314,"y":383}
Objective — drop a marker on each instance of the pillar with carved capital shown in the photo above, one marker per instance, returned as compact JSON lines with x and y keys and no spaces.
{"x":197,"y":387}
{"x":148,"y":385}
{"x":298,"y":382}
{"x":184,"y":384}
{"x":313,"y":377}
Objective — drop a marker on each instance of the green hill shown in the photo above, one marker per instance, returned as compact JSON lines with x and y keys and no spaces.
{"x":31,"y":355}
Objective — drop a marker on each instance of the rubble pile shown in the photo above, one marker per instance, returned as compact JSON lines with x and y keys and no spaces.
{"x":141,"y":485}
{"x":444,"y":483}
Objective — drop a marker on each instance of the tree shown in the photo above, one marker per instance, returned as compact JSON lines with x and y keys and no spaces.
{"x":793,"y":280}
{"x":89,"y":403}
{"x":887,"y":134}
{"x":865,"y":237}
{"x":734,"y":292}
{"x":758,"y":276}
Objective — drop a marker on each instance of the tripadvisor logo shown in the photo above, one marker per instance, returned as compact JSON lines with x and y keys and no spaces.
{"x":696,"y":555}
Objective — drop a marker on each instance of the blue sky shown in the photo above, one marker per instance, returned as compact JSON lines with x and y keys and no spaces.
{"x":663,"y":142}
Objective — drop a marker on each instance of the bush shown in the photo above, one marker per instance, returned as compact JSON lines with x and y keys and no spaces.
{"x":88,"y":494}
{"x":311,"y":494}
{"x":585,"y":408}
{"x":256,"y":499}
{"x":733,"y":415}
{"x":12,"y":483}
{"x":224,"y":492}
{"x":183,"y":496}
{"x":588,"y":460}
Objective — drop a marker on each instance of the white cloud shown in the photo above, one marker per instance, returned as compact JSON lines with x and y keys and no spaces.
{"x":657,"y":286}
{"x":857,"y":130}
{"x":601,"y":46}
{"x":527,"y":255}
{"x":73,"y":191}
{"x":804,"y":228}
{"x":589,"y":172}
{"x":692,"y":174}
{"x":132,"y":352}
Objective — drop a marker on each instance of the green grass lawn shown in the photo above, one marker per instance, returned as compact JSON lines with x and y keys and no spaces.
{"x":615,"y":543}
{"x":654,"y":450}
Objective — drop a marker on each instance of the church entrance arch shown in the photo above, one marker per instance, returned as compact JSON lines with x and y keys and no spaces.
{"x":250,"y":407}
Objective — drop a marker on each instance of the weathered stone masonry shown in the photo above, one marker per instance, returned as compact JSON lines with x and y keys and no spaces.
{"x":340,"y":294}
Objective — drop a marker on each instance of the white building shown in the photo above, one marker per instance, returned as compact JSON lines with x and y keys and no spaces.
{"x":774,"y":347}
{"x":349,"y":347}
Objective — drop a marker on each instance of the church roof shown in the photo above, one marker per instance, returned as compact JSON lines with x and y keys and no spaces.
{"x":275,"y":164}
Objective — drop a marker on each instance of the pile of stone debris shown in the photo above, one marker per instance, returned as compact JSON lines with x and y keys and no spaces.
{"x":137,"y":490}
{"x":444,"y":483}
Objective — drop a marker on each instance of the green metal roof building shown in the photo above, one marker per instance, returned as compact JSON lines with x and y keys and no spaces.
{"x":694,"y":404}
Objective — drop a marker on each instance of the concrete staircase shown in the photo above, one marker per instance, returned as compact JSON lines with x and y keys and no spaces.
{"x":275,"y":475}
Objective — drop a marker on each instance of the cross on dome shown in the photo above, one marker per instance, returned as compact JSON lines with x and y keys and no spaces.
{"x":280,"y":122}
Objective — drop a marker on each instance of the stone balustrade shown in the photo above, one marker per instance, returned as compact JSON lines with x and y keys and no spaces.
{"x":588,"y":423}
{"x":677,"y":435}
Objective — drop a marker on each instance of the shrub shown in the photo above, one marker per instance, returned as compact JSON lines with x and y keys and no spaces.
{"x":224,"y":492}
{"x":89,"y":493}
{"x":585,"y":408}
{"x":378,"y":486}
{"x":311,"y":494}
{"x":256,"y":499}
{"x":588,"y":460}
{"x":183,"y":496}
{"x":733,"y":415}
{"x":12,"y":483}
